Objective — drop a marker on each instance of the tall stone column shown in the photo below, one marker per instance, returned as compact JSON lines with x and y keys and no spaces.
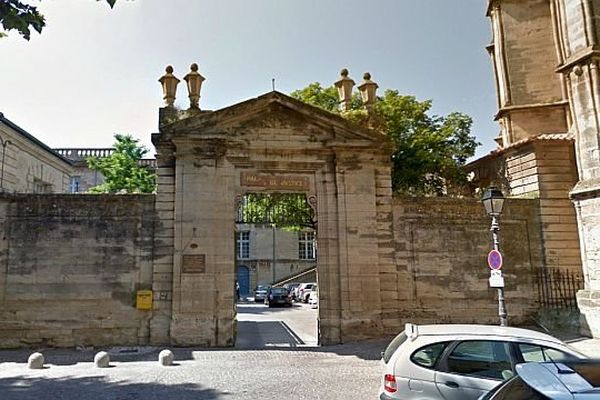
{"x":579,"y":39}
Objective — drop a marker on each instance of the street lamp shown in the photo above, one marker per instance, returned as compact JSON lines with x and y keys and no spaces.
{"x":4,"y":143}
{"x":493,"y":201}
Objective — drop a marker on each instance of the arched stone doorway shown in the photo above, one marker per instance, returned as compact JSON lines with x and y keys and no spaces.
{"x":208,"y":160}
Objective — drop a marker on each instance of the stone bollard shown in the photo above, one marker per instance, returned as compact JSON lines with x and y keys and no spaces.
{"x":166,"y":357}
{"x":35,"y":361}
{"x":102,"y":360}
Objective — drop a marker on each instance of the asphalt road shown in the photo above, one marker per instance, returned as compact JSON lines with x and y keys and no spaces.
{"x":262,"y":327}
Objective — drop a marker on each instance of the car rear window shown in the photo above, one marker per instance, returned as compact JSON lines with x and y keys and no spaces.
{"x":279,"y":291}
{"x":393,"y":346}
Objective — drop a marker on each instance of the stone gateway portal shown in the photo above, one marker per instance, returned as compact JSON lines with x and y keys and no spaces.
{"x":208,"y":160}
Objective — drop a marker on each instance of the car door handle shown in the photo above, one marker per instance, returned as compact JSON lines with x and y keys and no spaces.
{"x":451,"y":384}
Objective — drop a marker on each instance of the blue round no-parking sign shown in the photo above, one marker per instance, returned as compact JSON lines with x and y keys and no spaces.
{"x":494,"y":259}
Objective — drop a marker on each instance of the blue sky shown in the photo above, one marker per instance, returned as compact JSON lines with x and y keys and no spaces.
{"x":93,"y":71}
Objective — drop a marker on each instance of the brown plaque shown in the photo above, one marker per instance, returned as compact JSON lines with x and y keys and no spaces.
{"x":194,"y":264}
{"x":275,"y":182}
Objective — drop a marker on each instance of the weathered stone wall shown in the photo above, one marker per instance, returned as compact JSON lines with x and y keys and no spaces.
{"x":441,"y":269}
{"x":71,"y":269}
{"x":578,"y":41}
{"x":531,"y":99}
{"x":29,"y":166}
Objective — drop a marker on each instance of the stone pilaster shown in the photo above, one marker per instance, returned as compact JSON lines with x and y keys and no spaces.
{"x":579,"y":43}
{"x":162,"y":277}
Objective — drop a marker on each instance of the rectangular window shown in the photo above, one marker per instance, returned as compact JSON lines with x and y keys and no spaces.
{"x":243,"y":245}
{"x":307,"y":245}
{"x":40,"y":186}
{"x":74,"y":183}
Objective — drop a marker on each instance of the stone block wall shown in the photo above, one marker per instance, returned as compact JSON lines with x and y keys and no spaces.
{"x":30,"y":166}
{"x":441,"y":270}
{"x":71,"y":268}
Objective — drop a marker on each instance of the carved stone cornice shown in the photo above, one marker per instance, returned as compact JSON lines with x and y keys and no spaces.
{"x":581,"y":57}
{"x":584,"y":190}
{"x":491,"y":5}
{"x":508,"y":109}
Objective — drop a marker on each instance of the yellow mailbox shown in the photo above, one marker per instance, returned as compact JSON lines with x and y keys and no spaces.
{"x":144,"y":300}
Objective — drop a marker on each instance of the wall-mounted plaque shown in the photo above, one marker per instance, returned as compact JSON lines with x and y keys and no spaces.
{"x":194,"y":264}
{"x":275,"y":182}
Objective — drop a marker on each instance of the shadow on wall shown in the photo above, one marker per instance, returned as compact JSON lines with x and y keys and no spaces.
{"x":34,"y":388}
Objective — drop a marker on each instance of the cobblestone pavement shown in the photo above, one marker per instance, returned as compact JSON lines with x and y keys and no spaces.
{"x":288,"y":366}
{"x":275,"y":357}
{"x":347,"y":371}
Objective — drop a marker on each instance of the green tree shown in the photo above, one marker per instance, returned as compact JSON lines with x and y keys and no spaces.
{"x":122,"y":170}
{"x":430,"y":150}
{"x":289,"y":211}
{"x":18,"y":15}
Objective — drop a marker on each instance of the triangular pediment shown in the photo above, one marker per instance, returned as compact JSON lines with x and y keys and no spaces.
{"x":274,"y":111}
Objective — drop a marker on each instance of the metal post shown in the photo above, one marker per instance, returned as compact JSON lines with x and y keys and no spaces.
{"x":274,"y":254}
{"x":501,"y":304}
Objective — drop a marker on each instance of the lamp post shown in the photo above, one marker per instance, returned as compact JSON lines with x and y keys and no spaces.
{"x":4,"y":143}
{"x":493,"y":201}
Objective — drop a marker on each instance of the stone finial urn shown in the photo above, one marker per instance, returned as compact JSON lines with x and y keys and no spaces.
{"x":194,"y":84}
{"x":368,"y":91}
{"x":344,"y":87}
{"x":169,"y":85}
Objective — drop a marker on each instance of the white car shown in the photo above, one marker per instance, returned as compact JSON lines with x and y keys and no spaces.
{"x":313,"y":297}
{"x":461,"y":362}
{"x":303,"y":291}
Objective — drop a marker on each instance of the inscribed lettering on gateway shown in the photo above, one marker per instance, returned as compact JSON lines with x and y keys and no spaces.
{"x":275,"y":182}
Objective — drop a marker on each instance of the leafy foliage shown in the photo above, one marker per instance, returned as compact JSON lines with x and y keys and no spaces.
{"x":121,"y":169}
{"x":430,"y":150}
{"x":17,"y":15}
{"x":285,"y":210}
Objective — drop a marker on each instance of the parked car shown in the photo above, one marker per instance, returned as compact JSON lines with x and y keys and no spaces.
{"x":303,"y":291}
{"x":461,"y":362}
{"x":313,"y":297}
{"x":260,"y":292}
{"x":572,"y":380}
{"x":278,"y":297}
{"x":291,"y":288}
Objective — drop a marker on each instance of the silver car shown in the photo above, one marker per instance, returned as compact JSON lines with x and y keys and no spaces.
{"x":260,"y":293}
{"x":460,"y":362}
